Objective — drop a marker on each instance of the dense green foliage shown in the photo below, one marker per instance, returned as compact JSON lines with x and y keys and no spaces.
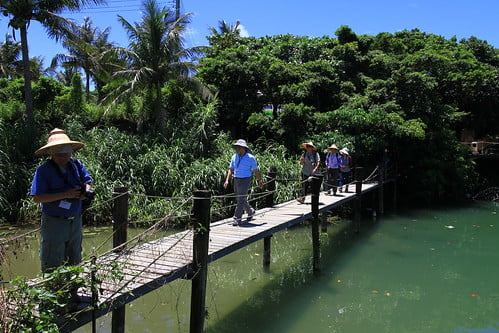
{"x":410,"y":92}
{"x":161,"y":122}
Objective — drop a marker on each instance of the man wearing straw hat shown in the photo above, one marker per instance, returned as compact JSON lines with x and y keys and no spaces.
{"x":59,"y":185}
{"x":243,"y":166}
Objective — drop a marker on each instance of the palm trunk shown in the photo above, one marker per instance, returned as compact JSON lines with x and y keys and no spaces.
{"x":87,"y":86}
{"x":28,"y":95}
{"x":159,"y":110}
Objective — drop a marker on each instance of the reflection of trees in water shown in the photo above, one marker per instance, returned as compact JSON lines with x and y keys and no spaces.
{"x":10,"y":243}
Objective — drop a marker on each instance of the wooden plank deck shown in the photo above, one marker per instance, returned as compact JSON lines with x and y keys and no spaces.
{"x":149,"y":266}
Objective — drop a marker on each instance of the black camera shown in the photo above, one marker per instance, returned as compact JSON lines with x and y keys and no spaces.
{"x":89,"y":196}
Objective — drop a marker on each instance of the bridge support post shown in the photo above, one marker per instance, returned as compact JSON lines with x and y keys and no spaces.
{"x":324,"y":222}
{"x":316,"y":187}
{"x":201,"y":239}
{"x":269,"y":202}
{"x":358,"y":199}
{"x":394,"y":199}
{"x":266,"y":251}
{"x":120,"y":229}
{"x":381,"y":192}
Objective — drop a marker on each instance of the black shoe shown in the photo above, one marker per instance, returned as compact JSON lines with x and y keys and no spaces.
{"x":251,"y":214}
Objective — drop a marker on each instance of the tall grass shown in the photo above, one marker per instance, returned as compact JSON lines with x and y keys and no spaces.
{"x":161,"y":172}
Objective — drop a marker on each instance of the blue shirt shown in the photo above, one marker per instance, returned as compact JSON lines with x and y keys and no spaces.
{"x":243,"y":166}
{"x":333,"y":161}
{"x":48,"y":179}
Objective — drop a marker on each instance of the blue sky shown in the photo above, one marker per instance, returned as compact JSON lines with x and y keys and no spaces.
{"x":314,"y":18}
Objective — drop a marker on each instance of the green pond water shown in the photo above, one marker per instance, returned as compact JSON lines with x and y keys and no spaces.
{"x":431,"y":270}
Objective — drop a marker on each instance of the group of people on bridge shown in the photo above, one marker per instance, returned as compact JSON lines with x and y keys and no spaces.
{"x":62,"y":185}
{"x":243,"y":166}
{"x":338,"y":168}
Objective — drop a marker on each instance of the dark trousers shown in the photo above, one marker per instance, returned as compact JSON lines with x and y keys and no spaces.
{"x":241,"y":187}
{"x":306,"y":185}
{"x":332,"y":179}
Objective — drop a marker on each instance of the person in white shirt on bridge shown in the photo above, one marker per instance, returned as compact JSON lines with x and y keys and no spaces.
{"x":243,"y":166}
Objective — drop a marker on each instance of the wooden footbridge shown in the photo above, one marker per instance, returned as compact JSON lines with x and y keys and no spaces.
{"x":150,"y":265}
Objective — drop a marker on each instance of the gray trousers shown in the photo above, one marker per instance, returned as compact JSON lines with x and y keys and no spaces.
{"x":241,"y":187}
{"x":60,"y":242}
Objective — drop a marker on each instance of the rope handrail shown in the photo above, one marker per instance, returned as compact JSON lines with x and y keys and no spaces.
{"x":252,"y":194}
{"x":15,"y":238}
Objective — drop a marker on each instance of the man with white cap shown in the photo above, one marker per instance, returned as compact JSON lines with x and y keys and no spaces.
{"x":60,"y":185}
{"x":243,"y":166}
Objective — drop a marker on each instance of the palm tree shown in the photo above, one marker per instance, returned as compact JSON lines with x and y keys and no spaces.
{"x":226,"y":35}
{"x":10,"y":55}
{"x":22,"y":12}
{"x":156,"y":56}
{"x":227,"y":28}
{"x":86,"y":45}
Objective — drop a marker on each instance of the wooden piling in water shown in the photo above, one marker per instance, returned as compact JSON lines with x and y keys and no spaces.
{"x":381,"y":194}
{"x":316,"y":187}
{"x":266,"y":251}
{"x":269,"y":202}
{"x":120,"y":230}
{"x":358,"y":199}
{"x":394,"y":198}
{"x":324,"y":222}
{"x":201,"y":239}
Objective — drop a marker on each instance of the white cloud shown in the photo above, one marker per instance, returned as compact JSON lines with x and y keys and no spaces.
{"x":242,"y":31}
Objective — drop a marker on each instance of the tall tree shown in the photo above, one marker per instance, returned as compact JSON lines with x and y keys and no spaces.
{"x":156,"y":56}
{"x":226,"y":35}
{"x":22,"y":12}
{"x":10,"y":55}
{"x":86,"y":45}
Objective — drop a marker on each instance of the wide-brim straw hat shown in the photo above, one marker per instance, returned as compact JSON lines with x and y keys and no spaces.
{"x":344,"y":151}
{"x":241,"y":143}
{"x":58,"y":141}
{"x":333,"y":146}
{"x":305,"y":144}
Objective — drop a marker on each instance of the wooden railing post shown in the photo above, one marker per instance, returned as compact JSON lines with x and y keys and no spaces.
{"x":120,"y":229}
{"x":316,"y":187}
{"x":269,"y":201}
{"x":358,"y":199}
{"x":381,"y":194}
{"x":201,"y":239}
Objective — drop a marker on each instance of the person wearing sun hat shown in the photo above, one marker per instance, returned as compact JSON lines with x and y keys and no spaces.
{"x":59,"y":185}
{"x":345,"y":168}
{"x":310,"y":161}
{"x":242,"y":166}
{"x":333,"y":161}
